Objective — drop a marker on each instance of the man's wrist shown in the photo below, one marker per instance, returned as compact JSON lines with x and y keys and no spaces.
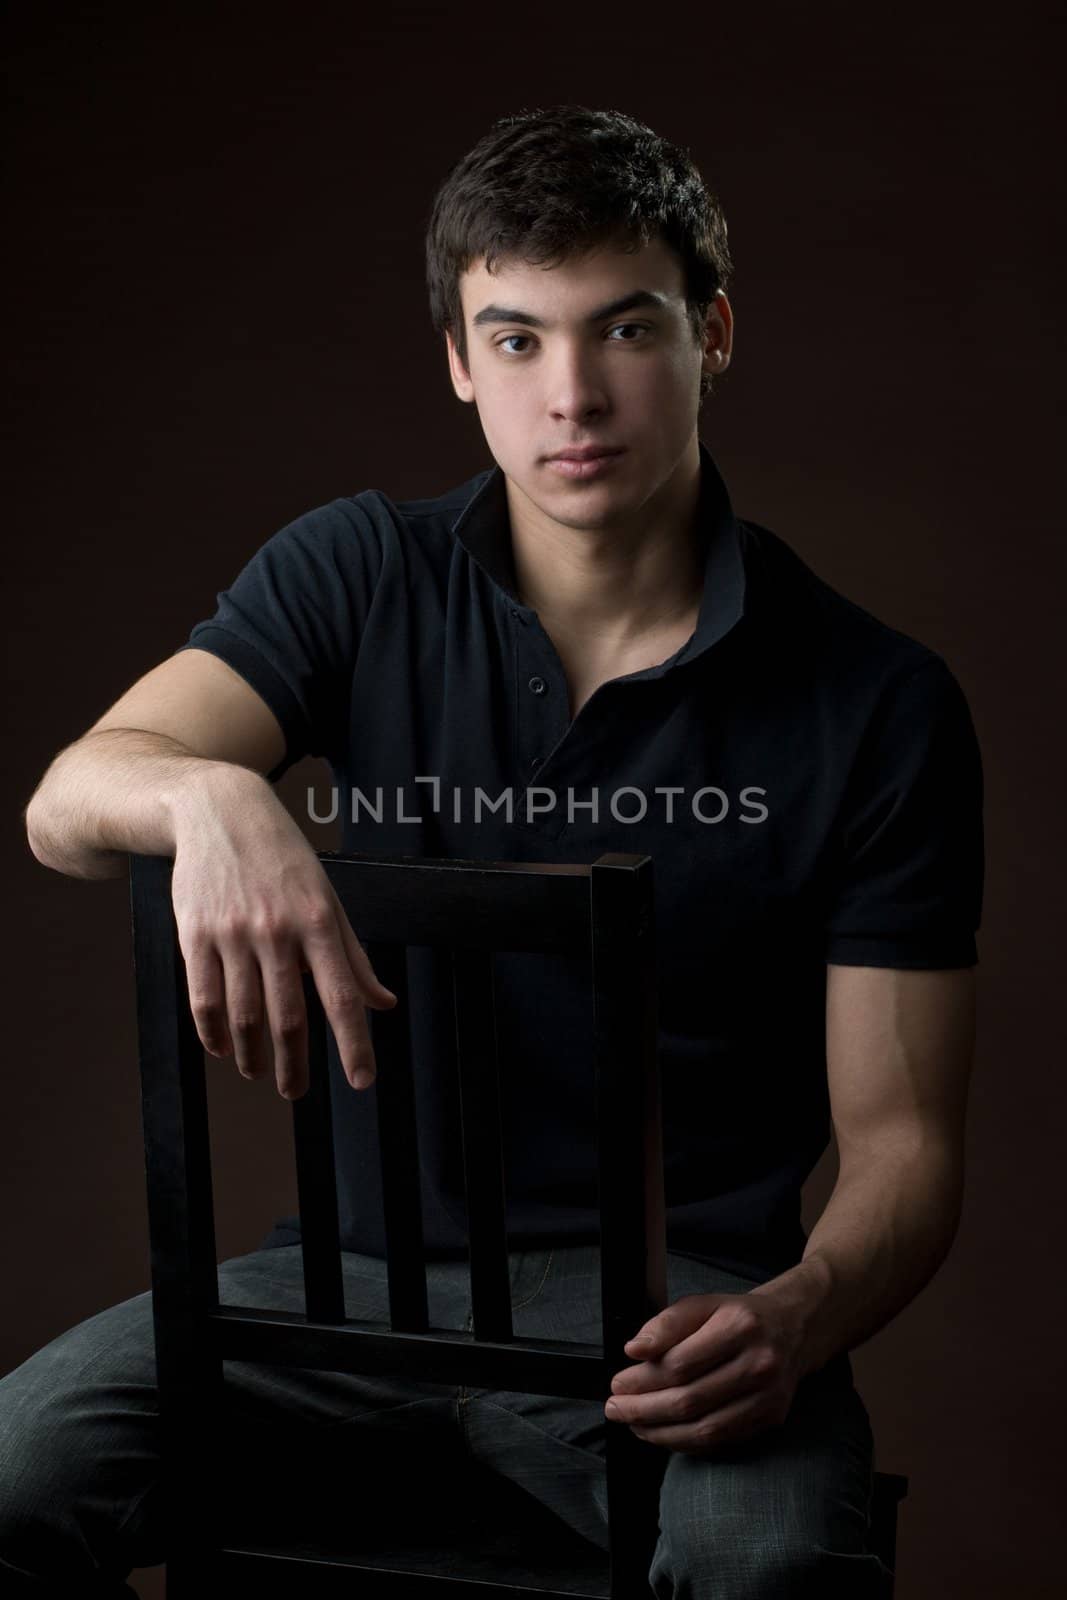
{"x":803,"y":1291}
{"x":198,"y":788}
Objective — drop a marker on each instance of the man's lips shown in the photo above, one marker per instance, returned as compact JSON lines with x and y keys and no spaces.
{"x":584,"y":466}
{"x":589,"y":453}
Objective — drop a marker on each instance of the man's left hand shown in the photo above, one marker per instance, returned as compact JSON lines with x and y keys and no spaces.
{"x":719,"y":1368}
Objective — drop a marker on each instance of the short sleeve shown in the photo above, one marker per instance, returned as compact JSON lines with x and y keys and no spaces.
{"x":291,"y":621}
{"x":908,"y":882}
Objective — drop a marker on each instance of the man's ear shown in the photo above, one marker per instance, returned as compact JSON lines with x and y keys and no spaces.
{"x":461,"y":382}
{"x":718,"y":334}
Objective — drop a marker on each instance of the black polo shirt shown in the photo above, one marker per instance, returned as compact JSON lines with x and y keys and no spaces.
{"x":806,"y":779}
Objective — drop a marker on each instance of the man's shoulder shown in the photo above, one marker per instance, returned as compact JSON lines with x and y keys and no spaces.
{"x":426,"y":521}
{"x":441,"y":508}
{"x":821,"y":622}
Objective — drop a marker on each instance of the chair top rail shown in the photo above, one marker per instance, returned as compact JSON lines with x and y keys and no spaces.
{"x":496,"y":905}
{"x":424,"y":900}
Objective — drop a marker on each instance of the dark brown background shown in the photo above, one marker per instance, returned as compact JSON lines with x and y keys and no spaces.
{"x":218,"y":320}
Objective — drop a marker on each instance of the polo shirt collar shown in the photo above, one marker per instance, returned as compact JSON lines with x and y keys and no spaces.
{"x":483,"y":528}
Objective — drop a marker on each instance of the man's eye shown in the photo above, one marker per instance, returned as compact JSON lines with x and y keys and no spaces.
{"x":640,"y":326}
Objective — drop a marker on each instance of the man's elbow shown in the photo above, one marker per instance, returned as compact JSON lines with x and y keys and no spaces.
{"x":47,"y":848}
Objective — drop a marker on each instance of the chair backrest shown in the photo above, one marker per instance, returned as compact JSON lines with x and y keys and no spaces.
{"x":470,"y":908}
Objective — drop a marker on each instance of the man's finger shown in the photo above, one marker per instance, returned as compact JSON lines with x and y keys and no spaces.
{"x":376,"y":994}
{"x":207,"y":997}
{"x":344,"y":1003}
{"x":287,"y":1017}
{"x":244,"y":1009}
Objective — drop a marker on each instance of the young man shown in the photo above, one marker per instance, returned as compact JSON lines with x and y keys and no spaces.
{"x":580,"y":649}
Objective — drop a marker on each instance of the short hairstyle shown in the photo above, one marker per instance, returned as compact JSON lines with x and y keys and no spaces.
{"x":545,"y":186}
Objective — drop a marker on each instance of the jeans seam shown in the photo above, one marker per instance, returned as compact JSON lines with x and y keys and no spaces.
{"x":540,"y":1286}
{"x":462,"y":1397}
{"x":137,"y":1504}
{"x":8,"y":1566}
{"x":552,"y":1438}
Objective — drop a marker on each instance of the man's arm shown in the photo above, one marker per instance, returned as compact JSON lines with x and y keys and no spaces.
{"x":900,"y":1048}
{"x":189,"y":722}
{"x":177,"y":767}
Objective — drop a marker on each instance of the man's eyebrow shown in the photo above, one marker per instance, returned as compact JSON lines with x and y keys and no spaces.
{"x":626,"y":302}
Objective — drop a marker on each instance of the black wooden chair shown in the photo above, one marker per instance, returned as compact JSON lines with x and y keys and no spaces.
{"x":485,"y":1534}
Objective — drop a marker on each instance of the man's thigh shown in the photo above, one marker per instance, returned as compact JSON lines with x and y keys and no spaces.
{"x":83,"y":1488}
{"x":754,"y":1518}
{"x":785,"y":1513}
{"x":303,"y":1396}
{"x":324,"y":1451}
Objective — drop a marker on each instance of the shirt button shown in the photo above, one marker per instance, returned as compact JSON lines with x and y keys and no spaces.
{"x":538,"y":685}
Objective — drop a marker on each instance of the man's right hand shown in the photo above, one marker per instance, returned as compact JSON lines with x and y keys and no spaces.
{"x":254,"y":911}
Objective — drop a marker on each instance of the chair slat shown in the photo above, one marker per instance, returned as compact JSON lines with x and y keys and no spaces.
{"x":173,"y":1096}
{"x":483,"y":1154}
{"x":632,"y":1240}
{"x":316,"y":1177}
{"x":181,"y":1218}
{"x":627,"y":1097}
{"x":399,"y":1145}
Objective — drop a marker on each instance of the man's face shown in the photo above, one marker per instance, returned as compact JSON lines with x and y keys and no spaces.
{"x":547,"y":374}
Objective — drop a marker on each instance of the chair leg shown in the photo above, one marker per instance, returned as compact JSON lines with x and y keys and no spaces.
{"x":889,"y":1489}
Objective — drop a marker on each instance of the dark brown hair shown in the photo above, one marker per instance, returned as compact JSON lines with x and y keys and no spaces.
{"x":545,"y":186}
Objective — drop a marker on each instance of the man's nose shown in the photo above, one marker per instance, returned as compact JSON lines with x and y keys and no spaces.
{"x":576,"y":384}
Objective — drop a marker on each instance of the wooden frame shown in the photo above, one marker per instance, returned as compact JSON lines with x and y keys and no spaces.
{"x":473,"y":908}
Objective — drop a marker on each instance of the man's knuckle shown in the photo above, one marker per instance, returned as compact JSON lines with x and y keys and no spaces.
{"x":193,"y":935}
{"x":764,"y":1362}
{"x":319,"y":917}
{"x":231,"y":927}
{"x":342,"y":999}
{"x":268,"y":923}
{"x":289,"y":1024}
{"x":742,"y":1319}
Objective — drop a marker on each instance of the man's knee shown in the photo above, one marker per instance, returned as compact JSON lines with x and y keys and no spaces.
{"x":700,"y":1564}
{"x":739,"y":1528}
{"x":77,"y":1432}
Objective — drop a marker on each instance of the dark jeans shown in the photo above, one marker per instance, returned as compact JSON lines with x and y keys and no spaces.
{"x":82,"y":1501}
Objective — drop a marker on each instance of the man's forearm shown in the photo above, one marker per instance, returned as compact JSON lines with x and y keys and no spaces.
{"x":113,"y":792}
{"x":885,"y":1231}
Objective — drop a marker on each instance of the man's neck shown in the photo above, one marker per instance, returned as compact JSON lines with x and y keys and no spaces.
{"x":613,"y":586}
